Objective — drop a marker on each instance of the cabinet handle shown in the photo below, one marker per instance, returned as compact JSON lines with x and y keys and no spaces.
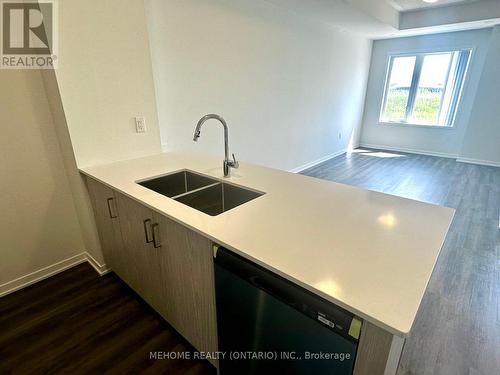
{"x":148,"y":231}
{"x":156,"y":236}
{"x":112,"y":214}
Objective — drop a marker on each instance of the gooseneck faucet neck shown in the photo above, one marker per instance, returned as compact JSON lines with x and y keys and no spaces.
{"x":197,"y":132}
{"x":205,"y":118}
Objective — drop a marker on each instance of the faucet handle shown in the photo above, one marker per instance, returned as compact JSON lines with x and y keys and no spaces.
{"x":235,"y":163}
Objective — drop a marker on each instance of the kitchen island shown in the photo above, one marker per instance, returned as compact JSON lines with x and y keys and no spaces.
{"x":370,"y":253}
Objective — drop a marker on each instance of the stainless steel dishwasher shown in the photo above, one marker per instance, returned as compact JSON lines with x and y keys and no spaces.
{"x":267,"y":324}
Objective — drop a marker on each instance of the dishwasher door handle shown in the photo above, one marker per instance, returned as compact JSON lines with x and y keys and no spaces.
{"x":272,"y":290}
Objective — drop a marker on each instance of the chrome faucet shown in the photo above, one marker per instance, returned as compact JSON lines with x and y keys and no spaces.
{"x":227,"y":163}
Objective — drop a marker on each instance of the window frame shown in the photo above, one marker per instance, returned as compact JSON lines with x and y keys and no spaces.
{"x":417,"y":70}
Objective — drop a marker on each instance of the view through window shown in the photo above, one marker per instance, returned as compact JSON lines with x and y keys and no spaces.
{"x":424,"y":89}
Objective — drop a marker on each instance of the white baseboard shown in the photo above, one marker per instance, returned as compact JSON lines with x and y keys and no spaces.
{"x":432,"y":153}
{"x":41,"y":274}
{"x":408,"y":150}
{"x":46,"y":272}
{"x":489,"y":163}
{"x":101,"y":269}
{"x":316,"y":162}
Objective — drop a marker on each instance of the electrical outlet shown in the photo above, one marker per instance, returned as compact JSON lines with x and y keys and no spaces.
{"x":340,"y":135}
{"x":140,"y":124}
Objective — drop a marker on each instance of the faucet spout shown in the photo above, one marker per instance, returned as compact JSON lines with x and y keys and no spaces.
{"x":197,"y":132}
{"x":196,"y":135}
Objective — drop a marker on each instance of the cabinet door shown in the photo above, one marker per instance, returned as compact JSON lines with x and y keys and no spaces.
{"x":142,"y":257}
{"x":108,"y":223}
{"x":168,"y":265}
{"x":187,"y":268}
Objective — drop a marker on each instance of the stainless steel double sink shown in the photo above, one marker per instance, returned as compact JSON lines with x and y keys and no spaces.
{"x":205,"y":194}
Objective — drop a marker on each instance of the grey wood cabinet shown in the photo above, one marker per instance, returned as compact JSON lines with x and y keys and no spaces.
{"x":187,"y":267}
{"x":167,"y":264}
{"x":143,"y":271}
{"x":106,"y":215}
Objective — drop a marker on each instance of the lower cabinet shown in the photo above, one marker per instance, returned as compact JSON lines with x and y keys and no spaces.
{"x":187,"y":268}
{"x":143,"y":259}
{"x":104,"y":203}
{"x":167,"y":264}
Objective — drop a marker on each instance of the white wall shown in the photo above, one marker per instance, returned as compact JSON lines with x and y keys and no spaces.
{"x":105,"y":79}
{"x":286,"y":86}
{"x":38,"y":222}
{"x":482,"y":139}
{"x":76,"y":182}
{"x":439,"y":141}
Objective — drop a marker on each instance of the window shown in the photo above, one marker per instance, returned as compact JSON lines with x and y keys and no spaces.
{"x":424,"y":89}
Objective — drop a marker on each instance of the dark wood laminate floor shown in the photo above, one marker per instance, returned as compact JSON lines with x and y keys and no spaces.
{"x":457,"y":329}
{"x":80,"y":323}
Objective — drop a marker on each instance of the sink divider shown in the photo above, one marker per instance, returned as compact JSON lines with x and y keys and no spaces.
{"x":195,"y":190}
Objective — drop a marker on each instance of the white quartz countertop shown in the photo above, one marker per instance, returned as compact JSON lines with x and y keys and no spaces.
{"x":368,"y":252}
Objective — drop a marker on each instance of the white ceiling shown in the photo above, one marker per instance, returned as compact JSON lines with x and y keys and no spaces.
{"x":380,"y":19}
{"x":406,"y":5}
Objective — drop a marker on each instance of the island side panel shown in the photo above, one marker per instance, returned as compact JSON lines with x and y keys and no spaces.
{"x":378,"y":353}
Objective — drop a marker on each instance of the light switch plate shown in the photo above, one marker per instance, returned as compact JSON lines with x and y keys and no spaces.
{"x":140,"y":124}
